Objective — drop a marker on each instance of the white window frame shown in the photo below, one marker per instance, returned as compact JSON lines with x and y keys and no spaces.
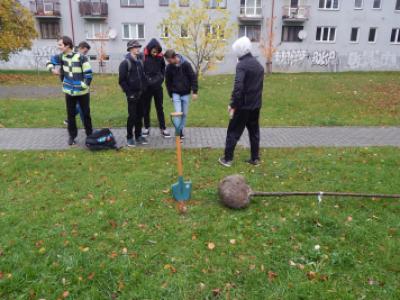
{"x":359,"y":8}
{"x":50,"y":3}
{"x":376,"y":34}
{"x":220,"y":4}
{"x":162,"y":33}
{"x":131,"y":37}
{"x":245,"y":7}
{"x":380,"y":5}
{"x":358,"y":35}
{"x":251,"y":25}
{"x":329,"y":8}
{"x":129,"y":4}
{"x":163,"y":5}
{"x":103,"y":29}
{"x":329,"y":35}
{"x":396,"y":37}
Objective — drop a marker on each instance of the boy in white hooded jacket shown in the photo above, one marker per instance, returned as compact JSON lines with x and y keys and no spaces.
{"x":246,"y":102}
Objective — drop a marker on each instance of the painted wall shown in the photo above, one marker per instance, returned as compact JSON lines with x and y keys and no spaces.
{"x":304,"y":56}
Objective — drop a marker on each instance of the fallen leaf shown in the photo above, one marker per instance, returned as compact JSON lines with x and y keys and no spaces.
{"x":91,"y":275}
{"x":252,"y":267}
{"x":125,"y":250}
{"x":113,"y":255}
{"x":84,"y":249}
{"x":121,"y":285}
{"x":42,"y":250}
{"x":170,"y":268}
{"x":202,"y":286}
{"x":323,"y":278}
{"x":292,"y":263}
{"x":232,"y":241}
{"x":311,"y":275}
{"x":216,"y":292}
{"x":272,"y":276}
{"x":349,"y":219}
{"x":113,"y":224}
{"x":166,"y":191}
{"x":1,"y":275}
{"x":65,"y":294}
{"x":194,"y":237}
{"x":211,"y":246}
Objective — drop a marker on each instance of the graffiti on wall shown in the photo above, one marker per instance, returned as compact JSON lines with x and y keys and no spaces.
{"x":300,"y":57}
{"x":370,"y":60}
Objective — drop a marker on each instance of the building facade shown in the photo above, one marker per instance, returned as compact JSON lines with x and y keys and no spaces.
{"x":307,"y":35}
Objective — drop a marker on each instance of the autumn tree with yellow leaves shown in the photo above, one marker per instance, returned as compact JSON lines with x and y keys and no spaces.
{"x":199,"y":32}
{"x":17,"y":28}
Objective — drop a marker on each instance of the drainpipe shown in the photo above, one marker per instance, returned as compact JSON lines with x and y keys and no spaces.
{"x":271,"y":32}
{"x":72,"y":21}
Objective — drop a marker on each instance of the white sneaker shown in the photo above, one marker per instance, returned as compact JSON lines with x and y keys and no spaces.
{"x":145,"y":132}
{"x":165,"y":133}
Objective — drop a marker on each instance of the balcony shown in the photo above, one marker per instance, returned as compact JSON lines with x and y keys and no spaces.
{"x":45,"y":8}
{"x":93,"y":9}
{"x":250,"y":13}
{"x":297,"y":14}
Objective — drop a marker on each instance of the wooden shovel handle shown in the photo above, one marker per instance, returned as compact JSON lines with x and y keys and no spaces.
{"x":179,"y":155}
{"x":177,"y":114}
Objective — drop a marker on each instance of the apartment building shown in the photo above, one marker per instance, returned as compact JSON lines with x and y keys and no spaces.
{"x":307,"y":35}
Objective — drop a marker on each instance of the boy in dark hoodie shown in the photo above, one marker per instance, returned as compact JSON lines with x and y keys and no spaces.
{"x":154,"y":69}
{"x":181,"y":81}
{"x":133,"y":83}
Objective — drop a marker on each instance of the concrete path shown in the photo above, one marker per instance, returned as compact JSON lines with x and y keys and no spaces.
{"x":30,"y":92}
{"x":56,"y":138}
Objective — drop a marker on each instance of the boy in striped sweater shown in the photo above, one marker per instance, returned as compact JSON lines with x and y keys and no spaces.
{"x":76,"y":75}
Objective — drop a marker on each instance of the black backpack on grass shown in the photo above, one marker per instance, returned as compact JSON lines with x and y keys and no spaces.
{"x":102,"y":139}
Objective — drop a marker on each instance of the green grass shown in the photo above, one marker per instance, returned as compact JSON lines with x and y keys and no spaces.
{"x":309,"y":99}
{"x":66,"y":217}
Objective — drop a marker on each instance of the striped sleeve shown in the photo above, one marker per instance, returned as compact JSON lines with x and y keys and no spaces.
{"x":54,"y":61}
{"x":87,"y":71}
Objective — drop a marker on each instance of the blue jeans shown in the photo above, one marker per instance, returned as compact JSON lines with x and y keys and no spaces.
{"x":181,"y":104}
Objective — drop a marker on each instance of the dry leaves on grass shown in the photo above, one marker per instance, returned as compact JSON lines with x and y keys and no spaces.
{"x":170,"y":268}
{"x":272,"y":276}
{"x":211,"y":246}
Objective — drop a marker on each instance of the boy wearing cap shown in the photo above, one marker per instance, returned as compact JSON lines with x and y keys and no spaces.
{"x":133,"y":83}
{"x":245,"y":104}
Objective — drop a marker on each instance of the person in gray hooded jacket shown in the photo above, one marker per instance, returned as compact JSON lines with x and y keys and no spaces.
{"x":246,"y":102}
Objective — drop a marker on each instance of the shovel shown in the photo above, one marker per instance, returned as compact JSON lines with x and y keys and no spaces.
{"x":181,"y":190}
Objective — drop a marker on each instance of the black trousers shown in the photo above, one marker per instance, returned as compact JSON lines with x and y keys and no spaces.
{"x":157,"y":93}
{"x":84,"y":103}
{"x":135,"y":115}
{"x":243,"y":119}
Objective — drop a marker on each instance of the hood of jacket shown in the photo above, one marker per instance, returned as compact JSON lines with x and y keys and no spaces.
{"x":242,"y":46}
{"x":153,"y":44}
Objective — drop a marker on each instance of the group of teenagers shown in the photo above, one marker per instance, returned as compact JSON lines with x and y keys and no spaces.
{"x":141,"y":78}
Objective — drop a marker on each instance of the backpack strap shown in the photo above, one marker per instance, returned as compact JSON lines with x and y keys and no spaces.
{"x":128,"y":61}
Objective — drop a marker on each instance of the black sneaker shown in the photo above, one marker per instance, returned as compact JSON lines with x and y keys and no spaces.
{"x":182,"y":135}
{"x":255,"y":162}
{"x":224,"y":162}
{"x":142,"y":141}
{"x":71,"y":141}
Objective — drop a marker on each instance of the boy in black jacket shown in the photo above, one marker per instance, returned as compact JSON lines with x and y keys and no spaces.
{"x":180,"y":80}
{"x":154,"y":69}
{"x":133,"y":83}
{"x":246,"y":102}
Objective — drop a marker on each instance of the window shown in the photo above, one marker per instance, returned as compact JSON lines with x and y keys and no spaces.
{"x":215,"y":31}
{"x":395,"y":36}
{"x":328,"y":4}
{"x":48,"y":6}
{"x":397,"y":7}
{"x":96,"y":30}
{"x":376,"y":4}
{"x":132,"y":3}
{"x":291,"y":33}
{"x":326,"y":34}
{"x":358,"y":4}
{"x":184,"y":32}
{"x":92,"y":57}
{"x":164,"y":32}
{"x":372,"y":35}
{"x":49,"y":29}
{"x":184,"y":3}
{"x":354,"y":34}
{"x":253,"y":32}
{"x":164,"y":2}
{"x":217,"y":3}
{"x":250,"y":7}
{"x":132,"y":31}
